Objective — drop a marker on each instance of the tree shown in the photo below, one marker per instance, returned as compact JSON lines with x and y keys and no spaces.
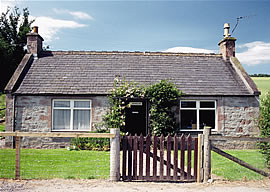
{"x":264,"y":125}
{"x":13,"y":30}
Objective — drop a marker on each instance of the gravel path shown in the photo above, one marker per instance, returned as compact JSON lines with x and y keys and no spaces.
{"x":65,"y":185}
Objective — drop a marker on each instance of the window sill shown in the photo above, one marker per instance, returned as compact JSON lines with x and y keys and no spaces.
{"x":195,"y":130}
{"x":70,"y":130}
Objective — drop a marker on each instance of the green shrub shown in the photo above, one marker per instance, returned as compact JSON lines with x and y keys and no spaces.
{"x":264,"y":125}
{"x":163,"y":97}
{"x":96,"y":144}
{"x":2,"y":105}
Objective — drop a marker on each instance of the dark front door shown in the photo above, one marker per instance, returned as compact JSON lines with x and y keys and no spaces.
{"x":136,"y":117}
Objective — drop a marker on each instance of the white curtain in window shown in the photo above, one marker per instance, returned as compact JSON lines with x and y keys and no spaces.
{"x":81,"y":119}
{"x":61,"y":119}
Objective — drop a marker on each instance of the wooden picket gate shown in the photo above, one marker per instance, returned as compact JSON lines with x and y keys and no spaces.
{"x":148,"y":158}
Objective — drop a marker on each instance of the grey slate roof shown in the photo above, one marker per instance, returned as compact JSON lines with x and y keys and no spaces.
{"x":94,"y":72}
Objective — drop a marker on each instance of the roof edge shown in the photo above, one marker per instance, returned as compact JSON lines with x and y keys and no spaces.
{"x":244,"y":76}
{"x":129,"y":53}
{"x":19,"y":73}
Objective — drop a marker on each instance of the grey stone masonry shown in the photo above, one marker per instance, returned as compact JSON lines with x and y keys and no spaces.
{"x":235,"y":116}
{"x":34,"y":114}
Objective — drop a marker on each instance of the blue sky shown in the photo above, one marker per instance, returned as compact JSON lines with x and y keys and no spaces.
{"x":184,"y":26}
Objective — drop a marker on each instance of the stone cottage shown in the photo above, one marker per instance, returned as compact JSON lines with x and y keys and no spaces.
{"x":66,"y":91}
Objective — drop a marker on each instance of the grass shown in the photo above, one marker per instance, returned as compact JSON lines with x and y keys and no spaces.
{"x":232,"y":171}
{"x":2,"y":127}
{"x":263,"y":84}
{"x":60,"y":163}
{"x":2,"y":105}
{"x":56,"y":163}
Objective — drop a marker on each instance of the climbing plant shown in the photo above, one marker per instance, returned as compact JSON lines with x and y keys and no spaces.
{"x":163,"y":96}
{"x":122,"y":90}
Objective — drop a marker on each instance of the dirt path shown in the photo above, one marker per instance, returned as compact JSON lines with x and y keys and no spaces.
{"x":65,"y":185}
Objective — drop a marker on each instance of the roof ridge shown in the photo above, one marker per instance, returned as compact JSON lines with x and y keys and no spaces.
{"x":130,"y":53}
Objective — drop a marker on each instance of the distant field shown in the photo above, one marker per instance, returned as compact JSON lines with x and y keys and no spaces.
{"x":263,"y":84}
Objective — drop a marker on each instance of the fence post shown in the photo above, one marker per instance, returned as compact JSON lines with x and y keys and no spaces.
{"x":17,"y":157}
{"x":199,"y":166}
{"x":115,"y":155}
{"x":207,"y":155}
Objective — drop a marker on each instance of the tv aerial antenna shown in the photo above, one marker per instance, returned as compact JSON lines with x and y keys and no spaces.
{"x":240,"y":18}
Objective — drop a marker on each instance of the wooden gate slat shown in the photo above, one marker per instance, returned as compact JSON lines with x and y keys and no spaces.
{"x":135,"y":150}
{"x":133,"y":165}
{"x":129,"y":157}
{"x":155,"y":158}
{"x":141,"y":157}
{"x":161,"y":171}
{"x":195,"y":157}
{"x":189,"y":140}
{"x":148,"y":139}
{"x":168,"y":157}
{"x":124,"y":162}
{"x":182,"y":162}
{"x":175,"y":157}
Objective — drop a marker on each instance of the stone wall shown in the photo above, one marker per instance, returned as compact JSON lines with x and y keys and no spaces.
{"x":235,"y":116}
{"x":238,"y":116}
{"x":34,"y":114}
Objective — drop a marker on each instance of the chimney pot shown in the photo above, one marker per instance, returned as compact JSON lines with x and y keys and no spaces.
{"x":35,"y":29}
{"x":226,"y":30}
{"x":227,"y":44}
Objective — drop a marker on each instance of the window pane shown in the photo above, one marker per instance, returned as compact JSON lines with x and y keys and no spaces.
{"x":188,"y":104}
{"x":81,"y":120}
{"x":188,"y":119}
{"x":207,"y":104}
{"x":61,"y":104}
{"x":61,"y":119}
{"x":207,"y":118}
{"x":82,"y":104}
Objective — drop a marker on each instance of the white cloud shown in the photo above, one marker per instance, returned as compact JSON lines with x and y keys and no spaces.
{"x":81,"y":15}
{"x":48,"y":27}
{"x":188,"y":50}
{"x":5,"y":4}
{"x":75,"y":14}
{"x":257,"y":52}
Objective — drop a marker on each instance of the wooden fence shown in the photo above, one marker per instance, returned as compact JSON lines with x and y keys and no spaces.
{"x":208,"y":146}
{"x":114,"y":145}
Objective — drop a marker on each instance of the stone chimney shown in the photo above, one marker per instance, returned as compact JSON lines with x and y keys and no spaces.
{"x":34,"y":42}
{"x":227,"y":44}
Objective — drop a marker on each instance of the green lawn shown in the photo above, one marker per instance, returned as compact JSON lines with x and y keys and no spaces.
{"x":60,"y":163}
{"x":263,"y":84}
{"x":2,"y":127}
{"x":232,"y":171}
{"x":56,"y":163}
{"x":2,"y":105}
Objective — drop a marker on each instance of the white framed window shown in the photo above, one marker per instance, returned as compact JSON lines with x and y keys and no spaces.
{"x":71,"y":115}
{"x":194,"y":115}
